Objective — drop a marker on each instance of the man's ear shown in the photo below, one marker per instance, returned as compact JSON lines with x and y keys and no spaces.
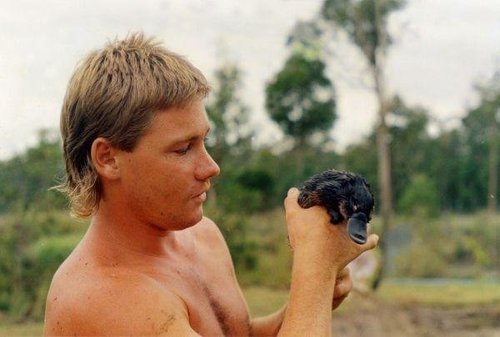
{"x":104,"y":158}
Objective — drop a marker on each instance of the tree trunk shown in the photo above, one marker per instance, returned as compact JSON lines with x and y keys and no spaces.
{"x":384,"y":177}
{"x":493,"y":165}
{"x":383,"y":146}
{"x":493,"y":182}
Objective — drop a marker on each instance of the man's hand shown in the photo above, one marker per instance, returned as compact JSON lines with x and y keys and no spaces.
{"x":319,"y":283}
{"x":343,"y":286}
{"x":311,"y":234}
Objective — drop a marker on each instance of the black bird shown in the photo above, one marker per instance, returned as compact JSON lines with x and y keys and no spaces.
{"x":345,"y":195}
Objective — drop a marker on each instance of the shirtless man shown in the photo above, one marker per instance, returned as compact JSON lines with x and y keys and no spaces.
{"x":133,"y":126}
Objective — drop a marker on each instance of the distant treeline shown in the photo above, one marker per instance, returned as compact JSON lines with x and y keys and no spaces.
{"x":430,"y":179}
{"x":433,"y":175}
{"x":444,"y":172}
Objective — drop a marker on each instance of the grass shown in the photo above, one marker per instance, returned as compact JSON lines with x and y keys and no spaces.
{"x":451,"y":293}
{"x":263,"y":301}
{"x":273,"y":273}
{"x":25,"y":329}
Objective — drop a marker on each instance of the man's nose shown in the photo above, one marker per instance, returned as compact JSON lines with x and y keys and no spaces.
{"x":208,"y":168}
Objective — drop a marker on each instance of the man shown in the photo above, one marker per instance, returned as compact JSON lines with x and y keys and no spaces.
{"x":133,"y":126}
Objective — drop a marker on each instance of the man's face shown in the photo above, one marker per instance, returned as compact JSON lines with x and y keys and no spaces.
{"x":166,"y":177}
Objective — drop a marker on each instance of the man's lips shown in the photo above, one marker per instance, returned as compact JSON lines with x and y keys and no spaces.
{"x":201,"y":197}
{"x":202,"y":194}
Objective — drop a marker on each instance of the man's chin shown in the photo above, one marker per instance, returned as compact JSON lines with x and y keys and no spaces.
{"x":181,"y":220}
{"x":192,"y":221}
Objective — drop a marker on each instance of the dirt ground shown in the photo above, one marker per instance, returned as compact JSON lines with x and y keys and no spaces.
{"x":374,"y":318}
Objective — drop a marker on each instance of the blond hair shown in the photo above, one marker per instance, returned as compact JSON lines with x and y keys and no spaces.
{"x":114,"y":93}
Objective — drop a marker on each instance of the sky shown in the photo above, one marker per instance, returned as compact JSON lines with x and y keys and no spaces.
{"x":441,"y":49}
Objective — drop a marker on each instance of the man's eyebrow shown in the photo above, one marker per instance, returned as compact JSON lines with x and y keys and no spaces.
{"x":190,"y":138}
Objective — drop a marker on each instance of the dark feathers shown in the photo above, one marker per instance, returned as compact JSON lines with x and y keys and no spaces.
{"x":345,"y":195}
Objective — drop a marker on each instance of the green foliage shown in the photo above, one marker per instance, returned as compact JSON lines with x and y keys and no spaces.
{"x":455,"y":246}
{"x":268,"y":231}
{"x":447,"y":172}
{"x":25,"y":179}
{"x":300,"y":98}
{"x":48,"y":253}
{"x":409,"y":143}
{"x":230,"y":130}
{"x":475,"y":240}
{"x":235,"y":230}
{"x":241,"y":183}
{"x":422,"y":260}
{"x":359,"y":19}
{"x":456,"y":160}
{"x":34,"y":244}
{"x":481,"y":135}
{"x":244,"y":182}
{"x":442,"y":294}
{"x":362,"y":159}
{"x":420,"y":198}
{"x":434,"y":176}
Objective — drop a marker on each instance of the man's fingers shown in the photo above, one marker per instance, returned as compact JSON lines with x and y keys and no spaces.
{"x":371,"y":242}
{"x":343,"y":273}
{"x":342,"y":288}
{"x":291,"y":198}
{"x":343,"y":283}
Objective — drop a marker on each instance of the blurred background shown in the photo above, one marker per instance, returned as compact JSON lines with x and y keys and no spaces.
{"x":405,"y":93}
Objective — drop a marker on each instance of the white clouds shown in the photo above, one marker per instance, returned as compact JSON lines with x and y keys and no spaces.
{"x":445,"y":46}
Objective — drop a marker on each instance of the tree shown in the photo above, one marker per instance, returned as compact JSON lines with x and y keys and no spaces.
{"x":365,"y":22}
{"x":490,"y":104}
{"x":300,"y":98}
{"x":447,"y":166}
{"x":25,"y":179}
{"x":230,"y":136}
{"x":230,"y":132}
{"x":240,"y":189}
{"x":481,"y":132}
{"x":410,"y":150}
{"x":420,"y":198}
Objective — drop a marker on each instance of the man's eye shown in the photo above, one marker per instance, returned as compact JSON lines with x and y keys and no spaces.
{"x":184,"y":150}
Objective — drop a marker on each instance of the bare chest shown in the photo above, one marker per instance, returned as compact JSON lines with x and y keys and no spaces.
{"x":214,"y":301}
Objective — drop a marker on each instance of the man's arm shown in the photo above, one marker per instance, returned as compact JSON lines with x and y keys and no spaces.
{"x":271,"y":324}
{"x":321,"y":251}
{"x":268,"y":325}
{"x":117,"y":307}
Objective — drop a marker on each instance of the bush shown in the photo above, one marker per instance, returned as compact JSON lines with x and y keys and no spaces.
{"x":41,"y":262}
{"x":422,"y":260}
{"x":454,"y":245}
{"x":420,"y":198}
{"x":235,"y":228}
{"x":33,"y":245}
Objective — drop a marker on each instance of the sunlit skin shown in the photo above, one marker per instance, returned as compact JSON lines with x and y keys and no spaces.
{"x":150,"y":263}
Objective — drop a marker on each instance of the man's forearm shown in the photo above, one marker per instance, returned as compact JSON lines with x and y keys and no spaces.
{"x":268,"y":325}
{"x":309,"y":307}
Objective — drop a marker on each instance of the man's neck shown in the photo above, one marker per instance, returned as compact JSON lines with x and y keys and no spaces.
{"x":125,"y":232}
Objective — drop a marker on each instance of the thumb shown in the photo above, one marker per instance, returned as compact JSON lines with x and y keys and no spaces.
{"x":370,"y":243}
{"x":291,"y":198}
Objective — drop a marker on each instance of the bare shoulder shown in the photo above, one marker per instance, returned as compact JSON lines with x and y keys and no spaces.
{"x":209,"y":235}
{"x":209,"y":229}
{"x":212,"y":243}
{"x":101,"y":304}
